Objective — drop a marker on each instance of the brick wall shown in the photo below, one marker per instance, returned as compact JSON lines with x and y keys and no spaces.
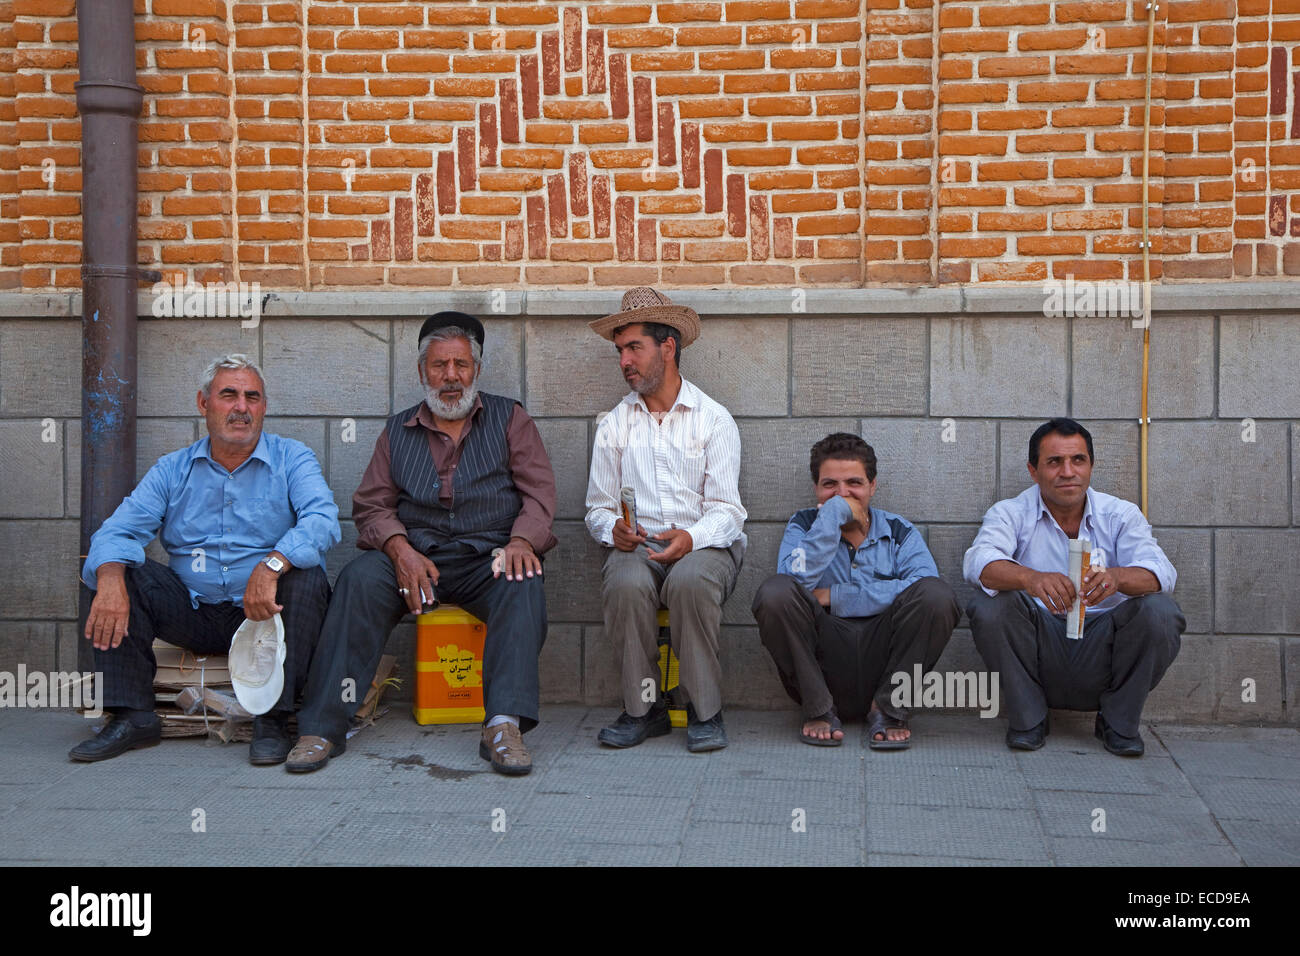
{"x":338,"y":143}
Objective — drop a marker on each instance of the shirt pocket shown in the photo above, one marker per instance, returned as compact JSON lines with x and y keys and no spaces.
{"x":264,"y":519}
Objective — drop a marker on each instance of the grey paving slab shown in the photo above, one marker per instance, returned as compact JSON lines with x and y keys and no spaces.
{"x":974,"y":832}
{"x":1106,"y":355}
{"x":541,"y":846}
{"x":370,"y":838}
{"x":749,"y":800}
{"x":1093,"y":850}
{"x":1271,"y":843}
{"x":898,"y":859}
{"x":770,"y":844}
{"x":40,"y":368}
{"x":1250,"y":798}
{"x":1254,"y":355}
{"x":1160,"y":818}
{"x":1275,"y":756}
{"x":1028,"y":354}
{"x":824,"y":384}
{"x":1059,"y":768}
{"x":928,"y":785}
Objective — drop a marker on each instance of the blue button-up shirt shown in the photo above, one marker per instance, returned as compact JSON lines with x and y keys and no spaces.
{"x":863,"y":581}
{"x":217,"y":525}
{"x":1021,"y":529}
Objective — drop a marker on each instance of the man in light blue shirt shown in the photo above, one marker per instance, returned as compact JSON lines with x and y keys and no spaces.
{"x":857,"y":599}
{"x":246,"y":518}
{"x":1019,"y":560}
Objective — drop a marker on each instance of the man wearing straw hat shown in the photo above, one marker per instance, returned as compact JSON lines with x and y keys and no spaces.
{"x":679,"y":453}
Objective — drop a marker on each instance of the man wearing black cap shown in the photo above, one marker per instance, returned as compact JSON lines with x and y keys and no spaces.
{"x":452,"y":479}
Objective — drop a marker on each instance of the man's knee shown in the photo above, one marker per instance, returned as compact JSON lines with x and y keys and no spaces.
{"x":777,"y":592}
{"x":695,"y":590}
{"x":986,"y":611}
{"x":366,"y":570}
{"x":1152,"y":616}
{"x":626,"y":580}
{"x":936,"y":594}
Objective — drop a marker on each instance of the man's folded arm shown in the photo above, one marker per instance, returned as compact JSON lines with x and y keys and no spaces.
{"x":805,"y":555}
{"x":603,"y":484}
{"x":724,"y":516}
{"x":534,"y":479}
{"x":317,"y":529}
{"x":1136,"y":547}
{"x":995,"y":541}
{"x":374,"y":506}
{"x":123,"y":537}
{"x":866,"y":595}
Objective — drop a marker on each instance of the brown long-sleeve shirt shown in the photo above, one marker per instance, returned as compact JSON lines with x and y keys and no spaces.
{"x":374,"y":506}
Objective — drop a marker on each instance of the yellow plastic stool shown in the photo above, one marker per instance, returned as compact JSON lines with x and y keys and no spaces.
{"x":669,"y":670}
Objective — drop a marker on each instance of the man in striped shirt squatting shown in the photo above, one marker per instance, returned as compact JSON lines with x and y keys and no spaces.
{"x":679,"y":451}
{"x":452,"y":479}
{"x":857,"y":600}
{"x":1020,"y":562}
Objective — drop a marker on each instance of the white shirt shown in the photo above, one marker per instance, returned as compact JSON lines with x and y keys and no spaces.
{"x":685,"y":470}
{"x":1021,"y":529}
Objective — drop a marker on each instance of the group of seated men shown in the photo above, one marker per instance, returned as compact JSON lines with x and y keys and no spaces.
{"x":456,"y":506}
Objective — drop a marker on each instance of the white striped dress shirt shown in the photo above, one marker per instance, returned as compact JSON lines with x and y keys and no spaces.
{"x":685,"y":469}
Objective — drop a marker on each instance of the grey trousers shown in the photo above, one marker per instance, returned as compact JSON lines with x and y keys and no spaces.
{"x":848,"y":661}
{"x":1118,"y":661}
{"x":633,"y":588}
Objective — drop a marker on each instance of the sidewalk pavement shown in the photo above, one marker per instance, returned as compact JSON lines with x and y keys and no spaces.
{"x":405,"y":794}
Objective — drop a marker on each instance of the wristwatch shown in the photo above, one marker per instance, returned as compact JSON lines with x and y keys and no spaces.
{"x":274,"y":563}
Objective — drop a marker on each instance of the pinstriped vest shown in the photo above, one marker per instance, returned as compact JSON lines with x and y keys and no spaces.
{"x":484,"y":503}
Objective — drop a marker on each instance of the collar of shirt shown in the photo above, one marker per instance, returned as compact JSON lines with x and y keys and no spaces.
{"x":424,"y":416}
{"x":688,"y":396}
{"x":1085,"y":522}
{"x":261,"y":452}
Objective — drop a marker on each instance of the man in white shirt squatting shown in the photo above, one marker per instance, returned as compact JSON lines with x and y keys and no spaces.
{"x":680,"y":452}
{"x":1020,"y":561}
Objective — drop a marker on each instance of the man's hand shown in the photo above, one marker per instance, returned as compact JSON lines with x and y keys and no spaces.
{"x":823,"y":596}
{"x":1097,"y":584}
{"x":624,"y":539}
{"x":416,"y":573}
{"x":680,"y":544}
{"x":111,"y":609}
{"x":1054,"y":589}
{"x":859,"y":519}
{"x":518,"y":559}
{"x":260,"y":594}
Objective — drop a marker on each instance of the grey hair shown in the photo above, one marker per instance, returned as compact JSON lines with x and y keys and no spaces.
{"x":233,"y":361}
{"x":442,"y":335}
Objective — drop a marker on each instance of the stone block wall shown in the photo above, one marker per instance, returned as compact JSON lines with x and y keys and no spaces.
{"x":947,"y":398}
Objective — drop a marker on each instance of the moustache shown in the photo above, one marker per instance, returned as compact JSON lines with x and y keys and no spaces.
{"x":237,"y":418}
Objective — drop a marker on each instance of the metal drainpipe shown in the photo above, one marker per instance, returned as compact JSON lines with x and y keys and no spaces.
{"x":109,"y":101}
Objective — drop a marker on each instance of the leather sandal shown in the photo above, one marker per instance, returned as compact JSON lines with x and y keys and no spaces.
{"x":830,"y":741}
{"x":878,"y":722}
{"x":311,"y":753}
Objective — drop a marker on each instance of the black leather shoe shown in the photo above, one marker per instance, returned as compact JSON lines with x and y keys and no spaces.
{"x":118,"y":736}
{"x":271,"y":741}
{"x":1028,"y":739}
{"x":628,"y":731}
{"x":702,"y":735}
{"x":1116,"y":743}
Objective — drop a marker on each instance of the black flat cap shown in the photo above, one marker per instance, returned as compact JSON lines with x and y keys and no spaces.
{"x":460,"y":320}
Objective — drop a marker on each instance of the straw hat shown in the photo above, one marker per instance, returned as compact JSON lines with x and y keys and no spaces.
{"x":646,"y":305}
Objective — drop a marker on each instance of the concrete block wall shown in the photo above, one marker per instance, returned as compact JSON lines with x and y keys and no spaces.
{"x":947,"y":400}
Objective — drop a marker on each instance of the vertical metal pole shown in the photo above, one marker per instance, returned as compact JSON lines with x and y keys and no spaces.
{"x":109,"y":101}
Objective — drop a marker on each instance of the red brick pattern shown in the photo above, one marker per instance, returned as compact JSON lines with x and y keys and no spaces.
{"x":429,"y":143}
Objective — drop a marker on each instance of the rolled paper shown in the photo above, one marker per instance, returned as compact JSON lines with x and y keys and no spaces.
{"x":1080,"y":558}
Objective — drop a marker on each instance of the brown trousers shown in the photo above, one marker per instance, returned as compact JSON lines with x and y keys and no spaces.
{"x":693,"y":589}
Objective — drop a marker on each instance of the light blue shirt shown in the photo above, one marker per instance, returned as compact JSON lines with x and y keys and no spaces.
{"x":1021,"y":529}
{"x":863,"y":581}
{"x":217,"y":525}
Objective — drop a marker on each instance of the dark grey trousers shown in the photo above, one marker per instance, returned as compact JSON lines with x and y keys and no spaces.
{"x":160,"y":608}
{"x":1119,"y":660}
{"x":848,"y":661}
{"x":366,"y":607}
